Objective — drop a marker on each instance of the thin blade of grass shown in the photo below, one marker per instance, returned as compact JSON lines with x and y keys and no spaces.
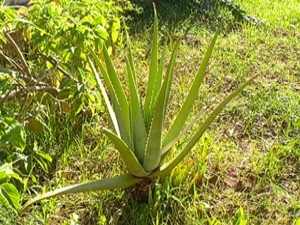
{"x":130,"y":160}
{"x":184,"y":112}
{"x":167,"y":167}
{"x":153,"y":148}
{"x":121,"y":181}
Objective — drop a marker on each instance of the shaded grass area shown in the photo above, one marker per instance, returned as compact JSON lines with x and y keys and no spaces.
{"x":184,"y":16}
{"x":245,"y":168}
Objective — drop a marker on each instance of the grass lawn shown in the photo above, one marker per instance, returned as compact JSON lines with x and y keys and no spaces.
{"x":245,"y":169}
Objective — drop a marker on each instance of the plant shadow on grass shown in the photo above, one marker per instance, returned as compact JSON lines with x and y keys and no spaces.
{"x":125,"y":208}
{"x":189,"y":16}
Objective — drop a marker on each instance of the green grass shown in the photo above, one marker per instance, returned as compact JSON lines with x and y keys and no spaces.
{"x":245,"y":168}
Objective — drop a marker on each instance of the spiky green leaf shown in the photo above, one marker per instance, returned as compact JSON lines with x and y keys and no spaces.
{"x":121,"y":181}
{"x":124,"y":132}
{"x":138,"y":128}
{"x":130,"y":58}
{"x":116,"y":83}
{"x":132,"y":163}
{"x":152,"y":73}
{"x":187,"y":106}
{"x":167,"y":148}
{"x":101,"y":88}
{"x":153,"y":148}
{"x":159,"y":77}
{"x":167,"y":167}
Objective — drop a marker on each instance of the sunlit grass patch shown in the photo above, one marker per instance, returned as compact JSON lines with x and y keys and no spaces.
{"x":246,"y":166}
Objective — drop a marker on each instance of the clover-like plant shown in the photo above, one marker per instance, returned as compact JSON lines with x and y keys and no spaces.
{"x":139,"y":127}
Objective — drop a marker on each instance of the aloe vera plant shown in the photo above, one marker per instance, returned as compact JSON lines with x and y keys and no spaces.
{"x":139,"y":127}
